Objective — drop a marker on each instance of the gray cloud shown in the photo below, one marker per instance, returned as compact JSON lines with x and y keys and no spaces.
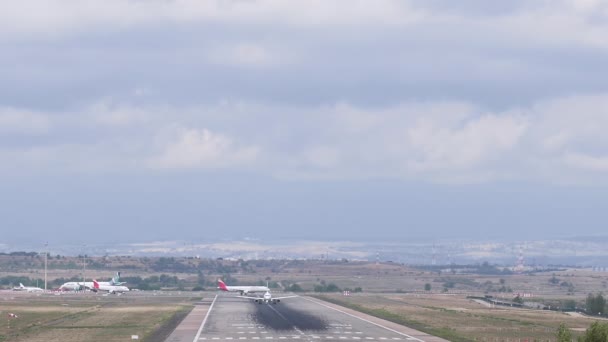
{"x":188,"y":52}
{"x":560,"y":140}
{"x":317,"y":97}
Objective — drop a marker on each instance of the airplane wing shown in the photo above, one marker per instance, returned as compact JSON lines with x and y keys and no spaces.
{"x":284,"y":297}
{"x":254,"y":298}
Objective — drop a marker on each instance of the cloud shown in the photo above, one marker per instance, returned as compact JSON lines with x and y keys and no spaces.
{"x":465,"y":144}
{"x":201,"y":148}
{"x":587,"y":162}
{"x":54,"y":17}
{"x":557,"y":140}
{"x":556,"y":22}
{"x":246,"y":55}
{"x":19,"y":121}
{"x":107,"y":113}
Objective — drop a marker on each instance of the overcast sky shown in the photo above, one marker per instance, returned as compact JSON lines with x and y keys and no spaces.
{"x":186,"y":119}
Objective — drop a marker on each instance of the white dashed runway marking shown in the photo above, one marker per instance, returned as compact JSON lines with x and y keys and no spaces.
{"x":316,"y":337}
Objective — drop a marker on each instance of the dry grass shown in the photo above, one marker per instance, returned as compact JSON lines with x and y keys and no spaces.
{"x":111,"y":318}
{"x":86,"y":317}
{"x":467,"y":319}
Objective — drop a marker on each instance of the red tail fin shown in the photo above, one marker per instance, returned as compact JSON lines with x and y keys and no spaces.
{"x":221,"y":285}
{"x":95,"y":284}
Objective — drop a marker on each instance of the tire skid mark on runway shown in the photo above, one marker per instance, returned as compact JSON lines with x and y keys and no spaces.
{"x":265,"y":315}
{"x":285,"y":318}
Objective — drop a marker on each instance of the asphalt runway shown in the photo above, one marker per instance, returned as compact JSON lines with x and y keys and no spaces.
{"x":296,"y":319}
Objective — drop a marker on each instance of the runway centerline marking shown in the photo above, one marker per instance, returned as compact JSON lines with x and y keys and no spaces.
{"x":411,"y":338}
{"x":200,"y":330}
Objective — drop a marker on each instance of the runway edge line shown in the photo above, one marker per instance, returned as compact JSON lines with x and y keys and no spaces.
{"x":200,"y":329}
{"x":365,"y":320}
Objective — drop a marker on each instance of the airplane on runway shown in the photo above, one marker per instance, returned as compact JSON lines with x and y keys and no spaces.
{"x":242,"y":289}
{"x":267,"y":298}
{"x":112,"y":289}
{"x":27,"y":288}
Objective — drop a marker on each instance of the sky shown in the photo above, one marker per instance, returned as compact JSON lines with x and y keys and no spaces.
{"x":387,"y":120}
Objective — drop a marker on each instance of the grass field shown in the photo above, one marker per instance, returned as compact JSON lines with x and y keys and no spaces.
{"x":457,"y":318}
{"x":391,"y":291}
{"x":90,"y":317}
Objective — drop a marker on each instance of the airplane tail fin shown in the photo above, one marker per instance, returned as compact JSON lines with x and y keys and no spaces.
{"x":116,"y":279}
{"x":95,"y":284}
{"x":21,"y":285}
{"x":221,"y":285}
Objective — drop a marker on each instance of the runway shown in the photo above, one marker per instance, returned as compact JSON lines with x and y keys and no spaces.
{"x":296,"y":319}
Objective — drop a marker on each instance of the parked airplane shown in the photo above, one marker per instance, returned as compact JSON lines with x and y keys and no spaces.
{"x":109,"y":288}
{"x":243,"y":290}
{"x":27,"y":288}
{"x":79,"y":285}
{"x":267,"y":298}
{"x":116,"y":280}
{"x":73,"y":286}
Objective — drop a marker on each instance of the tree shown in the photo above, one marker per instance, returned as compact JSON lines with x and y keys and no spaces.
{"x":331,"y":287}
{"x":597,"y":332}
{"x":563,"y":334}
{"x":595,"y":304}
{"x":569,"y":305}
{"x":518,"y":299}
{"x":200,"y":278}
{"x":427,"y":287}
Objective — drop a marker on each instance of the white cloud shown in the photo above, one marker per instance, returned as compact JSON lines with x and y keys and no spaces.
{"x":246,"y":55}
{"x":201,"y":148}
{"x":56,"y":17}
{"x":441,"y":146}
{"x":108,"y":113}
{"x":18,"y":121}
{"x":558,"y":140}
{"x":586,"y":162}
{"x":553,"y":22}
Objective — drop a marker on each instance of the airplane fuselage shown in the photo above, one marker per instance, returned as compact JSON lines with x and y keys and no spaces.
{"x":109,"y":288}
{"x":27,"y":288}
{"x":243,"y":290}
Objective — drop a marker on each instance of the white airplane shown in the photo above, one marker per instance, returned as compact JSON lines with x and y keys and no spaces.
{"x":73,"y":286}
{"x":79,"y":285}
{"x":27,"y":288}
{"x":112,"y":289}
{"x":242,"y":289}
{"x":267,"y":298}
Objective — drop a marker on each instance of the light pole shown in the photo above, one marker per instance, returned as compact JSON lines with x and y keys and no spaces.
{"x":46,"y":253}
{"x":84,"y":265}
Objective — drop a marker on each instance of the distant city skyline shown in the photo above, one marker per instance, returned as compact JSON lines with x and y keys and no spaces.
{"x":127,"y":121}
